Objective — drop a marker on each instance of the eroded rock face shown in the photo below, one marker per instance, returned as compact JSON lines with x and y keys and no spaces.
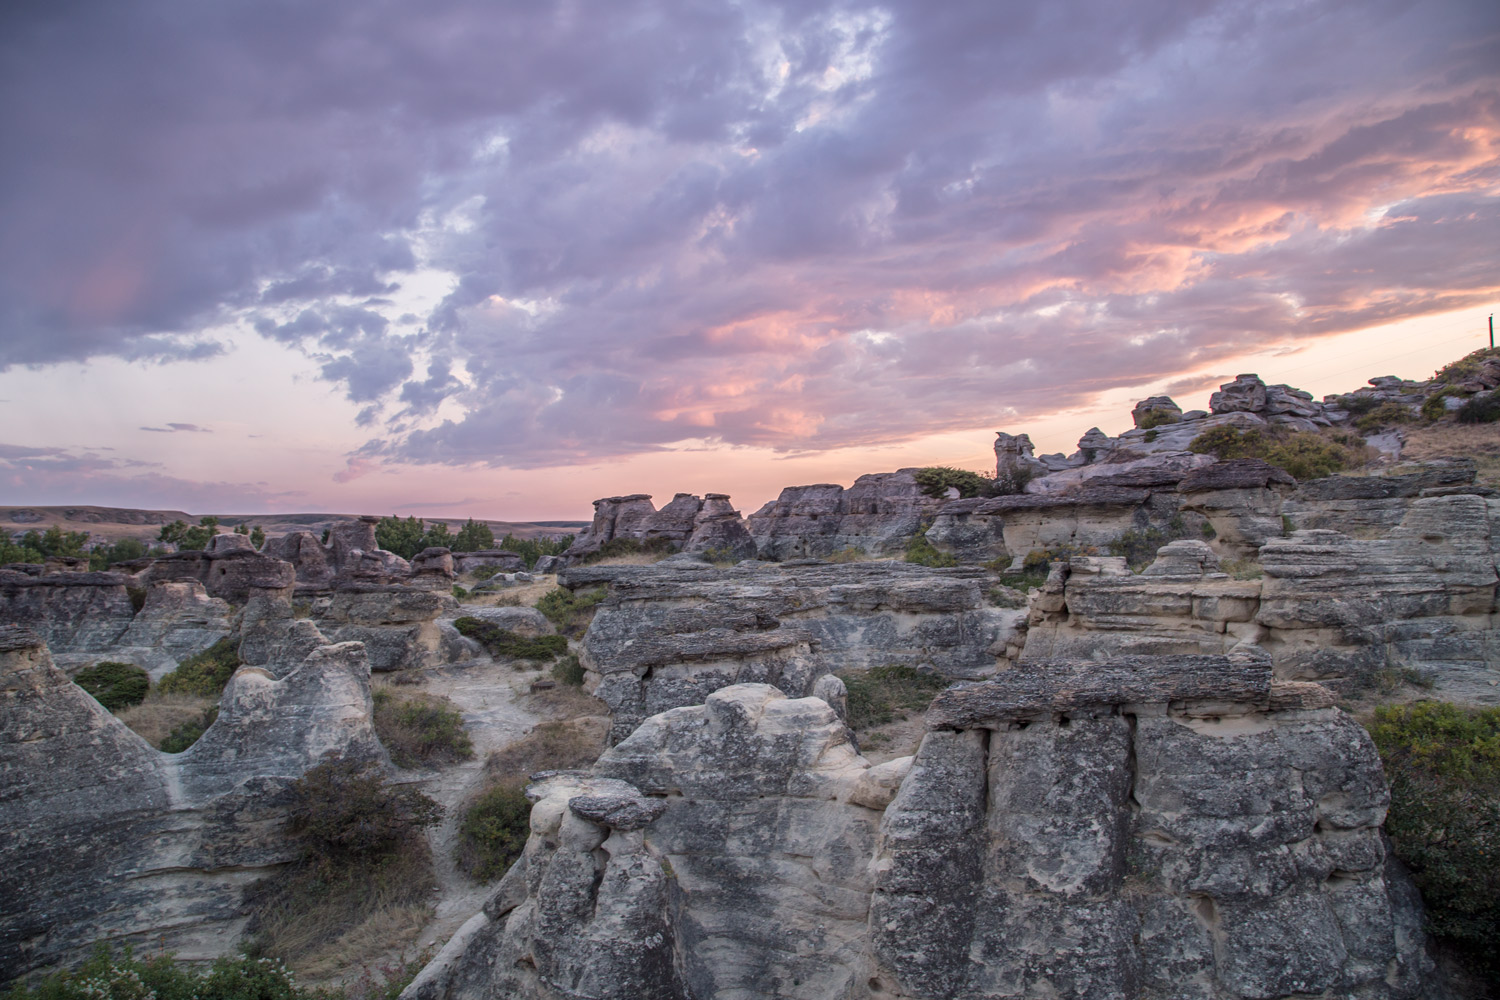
{"x":103,"y":838}
{"x":1317,"y":603}
{"x":82,"y":613}
{"x":878,"y":515}
{"x":1132,"y":828}
{"x":178,"y":620}
{"x":1422,"y":598}
{"x":399,"y":626}
{"x":671,"y":634}
{"x":687,"y":524}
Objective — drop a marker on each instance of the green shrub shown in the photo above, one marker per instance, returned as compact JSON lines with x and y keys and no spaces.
{"x":185,"y":735}
{"x":124,"y":550}
{"x":1150,"y":435}
{"x":847,"y":554}
{"x":190,"y":539}
{"x":106,"y":976}
{"x":499,"y":641}
{"x":1013,"y":481}
{"x":884,"y":694}
{"x":1435,"y":406}
{"x":1443,"y":765}
{"x":1002,"y":596}
{"x":532,"y":549}
{"x":204,"y":673}
{"x":114,"y":685}
{"x":1158,"y":418}
{"x":361,"y":852}
{"x":420,"y":730}
{"x":922,"y":552}
{"x":493,"y":833}
{"x":1480,"y":410}
{"x":1467,"y":366}
{"x":1358,"y":404}
{"x":39,"y":546}
{"x":720,"y":556}
{"x":459,"y":593}
{"x":1139,"y":546}
{"x":486,"y":572}
{"x":137,"y":597}
{"x":569,"y":611}
{"x":403,"y":537}
{"x":936,"y":480}
{"x":473,"y":537}
{"x":1387,"y":414}
{"x":1302,"y":454}
{"x":568,"y":671}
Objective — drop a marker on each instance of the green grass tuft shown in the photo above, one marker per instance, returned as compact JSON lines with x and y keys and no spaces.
{"x":204,"y":673}
{"x":499,"y":641}
{"x":114,"y":685}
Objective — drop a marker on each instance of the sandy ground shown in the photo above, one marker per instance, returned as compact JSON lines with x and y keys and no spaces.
{"x":491,"y":697}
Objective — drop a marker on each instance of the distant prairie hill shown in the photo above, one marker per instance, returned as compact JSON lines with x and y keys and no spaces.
{"x":111,"y":524}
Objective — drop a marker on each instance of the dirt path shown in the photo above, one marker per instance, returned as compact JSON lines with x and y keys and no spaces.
{"x":491,"y":698}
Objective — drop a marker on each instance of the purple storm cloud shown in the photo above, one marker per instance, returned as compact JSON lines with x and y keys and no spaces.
{"x":794,"y":225}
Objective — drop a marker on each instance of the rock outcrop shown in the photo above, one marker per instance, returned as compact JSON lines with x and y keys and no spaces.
{"x":103,"y":838}
{"x":687,"y":524}
{"x":1135,"y":828}
{"x":399,"y":626}
{"x":672,"y":633}
{"x":878,"y":515}
{"x":1419,"y":601}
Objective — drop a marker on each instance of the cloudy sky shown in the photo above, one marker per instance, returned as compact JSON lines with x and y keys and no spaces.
{"x":500,"y":258}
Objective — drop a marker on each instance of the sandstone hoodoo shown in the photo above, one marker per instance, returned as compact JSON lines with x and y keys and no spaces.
{"x":1090,"y":727}
{"x":1126,"y":828}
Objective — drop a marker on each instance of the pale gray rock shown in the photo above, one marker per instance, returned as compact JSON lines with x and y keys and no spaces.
{"x":878,"y":515}
{"x":624,"y":517}
{"x":103,"y":838}
{"x":503,"y":560}
{"x":1015,"y":460}
{"x":178,"y":620}
{"x":718,"y":528}
{"x":432,"y":569}
{"x":526,"y":622}
{"x":1132,"y":829}
{"x":669,"y":634}
{"x":82,"y":613}
{"x":1422,"y":599}
{"x":399,"y":626}
{"x":1246,"y":394}
{"x":1241,"y":499}
{"x":311,"y":560}
{"x":1158,"y":409}
{"x":1372,"y":505}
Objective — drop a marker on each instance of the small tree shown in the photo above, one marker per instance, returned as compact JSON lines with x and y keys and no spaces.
{"x":401,"y":537}
{"x":473,"y":537}
{"x":258,"y":536}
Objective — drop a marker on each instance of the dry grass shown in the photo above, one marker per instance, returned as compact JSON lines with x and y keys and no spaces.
{"x":634,"y":559}
{"x":381,"y":932}
{"x":308,"y":917}
{"x":1481,"y":442}
{"x":523,"y":595}
{"x":551,"y":746}
{"x":563,"y":703}
{"x":420,"y":729}
{"x":161,"y":713}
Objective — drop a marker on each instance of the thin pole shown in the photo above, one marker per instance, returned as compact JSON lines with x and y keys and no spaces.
{"x":1492,"y":331}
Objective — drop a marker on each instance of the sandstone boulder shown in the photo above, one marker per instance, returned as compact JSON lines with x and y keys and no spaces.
{"x":103,"y":838}
{"x":1120,"y":829}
